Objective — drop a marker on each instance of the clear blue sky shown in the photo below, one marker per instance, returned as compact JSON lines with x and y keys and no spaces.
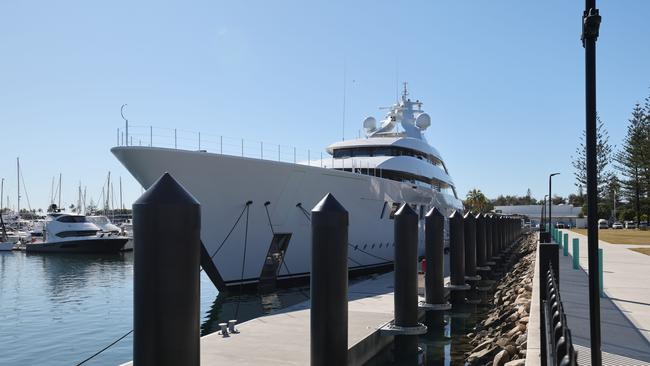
{"x":502,"y":80}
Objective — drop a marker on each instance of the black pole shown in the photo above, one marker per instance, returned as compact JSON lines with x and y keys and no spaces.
{"x":434,"y":251}
{"x":488,"y":239}
{"x":550,"y":203}
{"x":470,"y":244}
{"x":166,"y":291}
{"x":590,"y":27}
{"x":329,"y":283}
{"x":481,"y":258}
{"x":457,"y":249}
{"x":495,"y":237}
{"x":550,"y":206}
{"x":406,"y":280}
{"x":543,"y":219}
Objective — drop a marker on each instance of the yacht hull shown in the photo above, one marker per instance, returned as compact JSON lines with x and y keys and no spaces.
{"x":100,"y":245}
{"x":249,"y":204}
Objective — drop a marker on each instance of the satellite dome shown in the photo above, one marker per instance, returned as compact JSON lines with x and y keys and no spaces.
{"x":423,"y":121}
{"x":369,"y":124}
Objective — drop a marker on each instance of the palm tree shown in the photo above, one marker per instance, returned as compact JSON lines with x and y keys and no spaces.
{"x":476,"y":201}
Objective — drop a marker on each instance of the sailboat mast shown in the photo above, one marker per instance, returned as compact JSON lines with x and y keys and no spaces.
{"x":2,"y":195}
{"x":59,"y":191}
{"x":18,"y":176}
{"x":108,"y":194}
{"x":121,"y":204}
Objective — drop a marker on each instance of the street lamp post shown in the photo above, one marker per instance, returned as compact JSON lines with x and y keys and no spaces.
{"x":550,"y":201}
{"x":590,"y":27}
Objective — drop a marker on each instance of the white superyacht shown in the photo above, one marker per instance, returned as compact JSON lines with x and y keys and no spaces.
{"x":255,"y":227}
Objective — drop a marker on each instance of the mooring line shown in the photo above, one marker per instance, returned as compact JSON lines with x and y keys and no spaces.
{"x":105,"y":348}
{"x":231,"y":229}
{"x":370,"y":254}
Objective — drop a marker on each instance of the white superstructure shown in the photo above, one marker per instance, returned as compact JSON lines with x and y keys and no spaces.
{"x":255,"y":213}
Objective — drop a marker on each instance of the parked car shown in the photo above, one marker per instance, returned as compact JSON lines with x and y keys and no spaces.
{"x":630,"y":225}
{"x":603,"y":224}
{"x":617,"y":225}
{"x":559,"y":225}
{"x":643,"y":225}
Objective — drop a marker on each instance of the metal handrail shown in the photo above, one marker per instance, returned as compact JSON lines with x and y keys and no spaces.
{"x":559,"y":345}
{"x":152,"y":136}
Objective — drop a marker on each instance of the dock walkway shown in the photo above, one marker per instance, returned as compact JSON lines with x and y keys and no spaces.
{"x":625,"y":309}
{"x":283,"y":338}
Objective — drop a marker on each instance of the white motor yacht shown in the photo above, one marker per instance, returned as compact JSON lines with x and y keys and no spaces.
{"x":74,"y":233}
{"x":256,"y":213}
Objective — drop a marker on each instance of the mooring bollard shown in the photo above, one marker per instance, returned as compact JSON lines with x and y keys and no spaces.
{"x":502,"y":234}
{"x":576,"y":253}
{"x":481,"y":257}
{"x":434,"y":281}
{"x":470,"y":245}
{"x":406,"y":280}
{"x":566,"y":244}
{"x":489,"y":257}
{"x":329,"y":283}
{"x":167,"y":252}
{"x":457,"y":259}
{"x":495,"y":239}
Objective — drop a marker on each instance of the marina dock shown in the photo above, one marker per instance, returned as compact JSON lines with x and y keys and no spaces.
{"x":283,"y":338}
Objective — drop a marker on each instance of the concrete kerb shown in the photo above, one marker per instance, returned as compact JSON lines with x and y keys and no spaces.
{"x":533,"y":348}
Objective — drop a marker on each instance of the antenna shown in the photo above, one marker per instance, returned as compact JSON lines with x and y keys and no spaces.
{"x":344,"y":85}
{"x":126,"y":121}
{"x":396,"y":79}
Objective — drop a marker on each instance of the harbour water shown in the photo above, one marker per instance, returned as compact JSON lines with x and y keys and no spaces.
{"x":60,"y":309}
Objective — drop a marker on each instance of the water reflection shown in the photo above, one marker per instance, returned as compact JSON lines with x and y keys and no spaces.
{"x":244,"y":307}
{"x":445,"y":342}
{"x":65,"y":275}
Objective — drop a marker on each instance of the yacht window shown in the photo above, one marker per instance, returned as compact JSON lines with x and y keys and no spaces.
{"x":383,"y":209}
{"x":75,"y":219}
{"x":66,"y":234}
{"x":384,"y":151}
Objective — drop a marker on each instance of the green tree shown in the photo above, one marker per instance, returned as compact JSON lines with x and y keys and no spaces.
{"x":632,"y":160}
{"x":646,"y":155}
{"x":603,"y":158}
{"x":476,"y":201}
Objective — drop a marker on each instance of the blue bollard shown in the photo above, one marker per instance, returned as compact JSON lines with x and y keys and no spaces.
{"x":566,"y":244}
{"x":576,"y":253}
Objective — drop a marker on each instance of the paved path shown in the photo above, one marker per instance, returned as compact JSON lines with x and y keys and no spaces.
{"x":625,"y":309}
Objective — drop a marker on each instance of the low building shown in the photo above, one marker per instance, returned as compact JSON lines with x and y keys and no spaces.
{"x":566,"y":214}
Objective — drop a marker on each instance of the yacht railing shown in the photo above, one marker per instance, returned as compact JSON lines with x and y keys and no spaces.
{"x":152,"y":136}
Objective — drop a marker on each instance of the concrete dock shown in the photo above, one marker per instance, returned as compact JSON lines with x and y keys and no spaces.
{"x":283,"y":338}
